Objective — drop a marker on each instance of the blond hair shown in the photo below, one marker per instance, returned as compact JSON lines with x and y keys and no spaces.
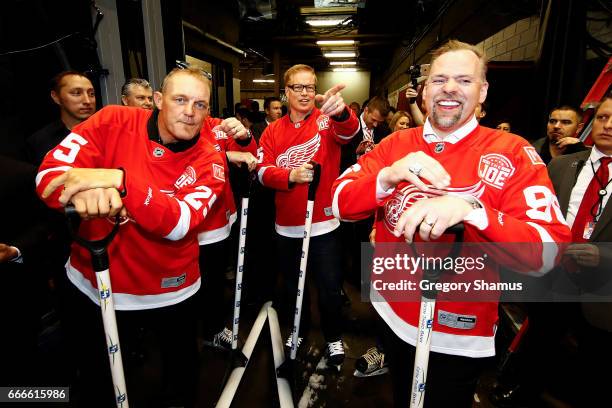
{"x":192,"y":71}
{"x":397,"y":116}
{"x":456,"y":45}
{"x":298,"y":68}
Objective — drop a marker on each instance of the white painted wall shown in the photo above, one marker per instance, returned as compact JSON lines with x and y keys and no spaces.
{"x":357,"y":84}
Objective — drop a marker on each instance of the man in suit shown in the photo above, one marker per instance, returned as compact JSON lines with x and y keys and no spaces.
{"x":562,"y":130}
{"x":372,"y":129}
{"x":582,"y":183}
{"x":75,"y":96}
{"x":273,"y":108}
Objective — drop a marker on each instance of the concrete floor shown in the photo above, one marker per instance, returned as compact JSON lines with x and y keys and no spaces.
{"x":321,"y":387}
{"x":314,"y":387}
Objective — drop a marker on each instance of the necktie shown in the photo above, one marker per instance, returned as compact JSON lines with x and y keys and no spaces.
{"x":590,"y":200}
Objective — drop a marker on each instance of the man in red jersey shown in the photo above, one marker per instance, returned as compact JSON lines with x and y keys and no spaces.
{"x":427,"y":179}
{"x":152,"y":167}
{"x":214,"y":235}
{"x":286,"y":148}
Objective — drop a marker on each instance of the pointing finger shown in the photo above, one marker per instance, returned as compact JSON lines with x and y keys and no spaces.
{"x":334,"y":89}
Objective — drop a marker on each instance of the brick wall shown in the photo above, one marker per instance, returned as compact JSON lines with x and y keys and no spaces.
{"x":517,"y":42}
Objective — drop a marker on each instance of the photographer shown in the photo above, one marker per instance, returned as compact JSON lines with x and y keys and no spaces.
{"x":418,"y":75}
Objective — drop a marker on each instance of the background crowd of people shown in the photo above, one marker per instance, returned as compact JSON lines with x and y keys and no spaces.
{"x":163,"y":149}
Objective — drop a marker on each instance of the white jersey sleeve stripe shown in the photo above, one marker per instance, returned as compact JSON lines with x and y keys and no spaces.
{"x":381,"y":193}
{"x":182,"y":226}
{"x":43,"y":173}
{"x":335,"y":208}
{"x":478,"y":218}
{"x":261,"y":172}
{"x":550,"y":250}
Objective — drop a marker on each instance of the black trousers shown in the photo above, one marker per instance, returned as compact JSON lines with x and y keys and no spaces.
{"x":451,"y":380}
{"x":175,"y":333}
{"x":595,"y":354}
{"x":212,"y":307}
{"x":324,"y":265}
{"x":260,"y":275}
{"x":20,"y":316}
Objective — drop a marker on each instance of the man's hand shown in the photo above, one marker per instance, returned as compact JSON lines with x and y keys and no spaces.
{"x":234,"y":128}
{"x":584,"y":254}
{"x":331,"y":102}
{"x":410,"y":168}
{"x":302,"y":174}
{"x":364,"y":147}
{"x":411,"y":93}
{"x":7,"y":253}
{"x":75,"y":180}
{"x":98,"y":203}
{"x":238,"y":158}
{"x":432,"y":217}
{"x":566,"y":141}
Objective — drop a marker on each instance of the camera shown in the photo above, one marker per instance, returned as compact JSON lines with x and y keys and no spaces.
{"x":418,"y":74}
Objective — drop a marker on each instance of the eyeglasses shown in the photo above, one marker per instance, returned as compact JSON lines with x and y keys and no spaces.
{"x":299,"y":88}
{"x":184,"y":65}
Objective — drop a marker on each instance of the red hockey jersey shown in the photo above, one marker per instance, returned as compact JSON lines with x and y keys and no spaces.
{"x":284,"y":146}
{"x":219,"y":221}
{"x":500,"y":170}
{"x":154,"y":257}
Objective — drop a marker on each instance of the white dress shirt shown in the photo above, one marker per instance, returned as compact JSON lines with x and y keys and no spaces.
{"x":583,"y":181}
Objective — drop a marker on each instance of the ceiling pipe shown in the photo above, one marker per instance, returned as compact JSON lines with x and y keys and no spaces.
{"x":213,"y":38}
{"x":342,"y":37}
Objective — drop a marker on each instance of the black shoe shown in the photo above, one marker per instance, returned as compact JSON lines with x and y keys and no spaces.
{"x":335,"y":353}
{"x":221,"y":340}
{"x":509,"y":396}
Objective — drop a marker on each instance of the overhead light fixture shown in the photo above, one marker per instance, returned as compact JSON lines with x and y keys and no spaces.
{"x":340,"y":54}
{"x":345,"y":69}
{"x":342,"y":62}
{"x":328,"y":10}
{"x":329,"y":21}
{"x":324,"y":23}
{"x":336,"y":42}
{"x":263,"y":81}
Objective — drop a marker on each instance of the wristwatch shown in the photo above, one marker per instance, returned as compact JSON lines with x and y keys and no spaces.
{"x":472,"y":201}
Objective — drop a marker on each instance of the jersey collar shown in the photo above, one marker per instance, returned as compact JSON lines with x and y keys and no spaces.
{"x":176,"y":147}
{"x":430,"y":136}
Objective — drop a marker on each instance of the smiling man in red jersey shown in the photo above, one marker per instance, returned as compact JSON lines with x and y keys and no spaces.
{"x":426,"y":179}
{"x":154,"y":168}
{"x":287,"y":147}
